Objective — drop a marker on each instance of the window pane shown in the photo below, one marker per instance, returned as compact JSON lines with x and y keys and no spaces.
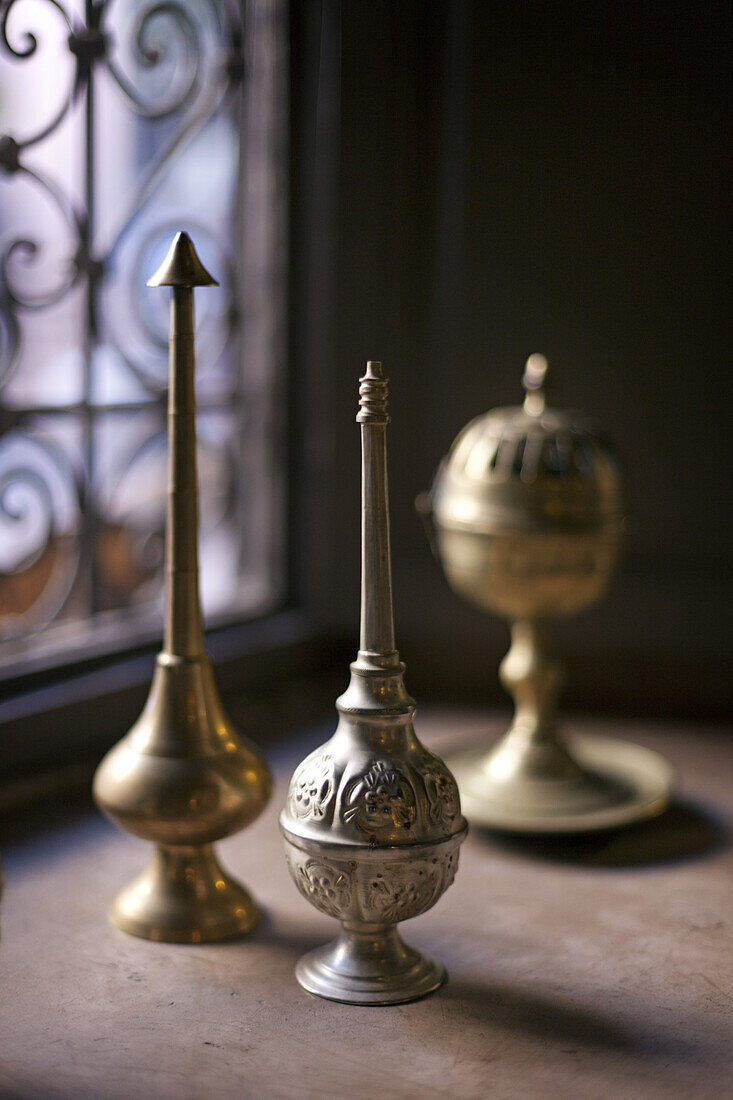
{"x":162,"y":132}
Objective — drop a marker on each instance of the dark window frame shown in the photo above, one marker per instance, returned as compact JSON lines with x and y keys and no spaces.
{"x":54,"y":716}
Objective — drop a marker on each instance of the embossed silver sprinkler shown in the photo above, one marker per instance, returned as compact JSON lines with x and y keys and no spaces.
{"x":373,"y":821}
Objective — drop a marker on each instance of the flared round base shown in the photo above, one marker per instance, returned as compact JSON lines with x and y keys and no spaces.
{"x":615,"y":783}
{"x":184,"y":896}
{"x":369,"y":965}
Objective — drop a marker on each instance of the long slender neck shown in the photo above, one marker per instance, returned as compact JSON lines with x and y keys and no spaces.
{"x":184,"y":634}
{"x":376,"y":640}
{"x":375,"y":708}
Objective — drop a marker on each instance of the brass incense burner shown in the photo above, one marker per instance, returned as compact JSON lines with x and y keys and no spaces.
{"x":528,"y":514}
{"x":182,"y":777}
{"x":373,"y":822}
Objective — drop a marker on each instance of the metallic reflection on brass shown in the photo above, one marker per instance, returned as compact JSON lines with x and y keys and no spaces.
{"x":373,"y":821}
{"x":527,"y":515}
{"x":182,"y":777}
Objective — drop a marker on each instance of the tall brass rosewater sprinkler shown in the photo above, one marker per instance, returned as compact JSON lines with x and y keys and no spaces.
{"x":182,"y":777}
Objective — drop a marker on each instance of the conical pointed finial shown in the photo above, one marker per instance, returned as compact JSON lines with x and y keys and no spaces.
{"x":182,"y":267}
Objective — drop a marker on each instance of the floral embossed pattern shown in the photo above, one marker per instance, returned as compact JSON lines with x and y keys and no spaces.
{"x":312,"y":788}
{"x":328,"y":888}
{"x":440,"y":786}
{"x":380,"y":799}
{"x":406,"y":889}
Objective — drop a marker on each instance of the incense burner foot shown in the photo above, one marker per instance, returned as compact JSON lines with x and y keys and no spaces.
{"x":184,"y":896}
{"x":537,"y":781}
{"x":605,"y":784}
{"x":369,"y":964}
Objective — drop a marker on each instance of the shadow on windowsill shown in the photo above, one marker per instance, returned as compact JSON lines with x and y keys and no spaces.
{"x":51,"y":802}
{"x":558,"y":1022}
{"x":685,"y":831}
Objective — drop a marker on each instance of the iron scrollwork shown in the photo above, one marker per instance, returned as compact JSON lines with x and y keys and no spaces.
{"x":178,"y":65}
{"x":39,"y":523}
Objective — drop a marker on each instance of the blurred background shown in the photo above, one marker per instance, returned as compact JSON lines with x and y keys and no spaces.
{"x":444,"y":186}
{"x":518,"y":177}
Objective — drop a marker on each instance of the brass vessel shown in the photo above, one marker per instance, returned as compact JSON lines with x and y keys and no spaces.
{"x":373,"y":823}
{"x":527,"y":513}
{"x":182,"y":777}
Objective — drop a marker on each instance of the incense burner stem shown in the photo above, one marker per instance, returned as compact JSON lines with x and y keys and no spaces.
{"x":531,"y":746}
{"x":532,"y":679}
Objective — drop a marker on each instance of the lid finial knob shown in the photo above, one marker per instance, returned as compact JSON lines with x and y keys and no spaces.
{"x":533,"y":380}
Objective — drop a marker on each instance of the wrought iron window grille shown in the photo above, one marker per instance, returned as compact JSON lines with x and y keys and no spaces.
{"x":175,"y":110}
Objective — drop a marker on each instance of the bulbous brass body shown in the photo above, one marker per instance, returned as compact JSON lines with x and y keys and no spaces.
{"x":372,"y":823}
{"x":182,"y":777}
{"x":527,"y":514}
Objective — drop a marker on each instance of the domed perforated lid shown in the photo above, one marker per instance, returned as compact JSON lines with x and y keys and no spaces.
{"x":527,"y":466}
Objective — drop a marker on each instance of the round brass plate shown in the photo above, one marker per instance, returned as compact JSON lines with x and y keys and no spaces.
{"x":621,"y":783}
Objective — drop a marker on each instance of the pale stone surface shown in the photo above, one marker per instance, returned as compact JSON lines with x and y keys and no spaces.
{"x":590,"y":969}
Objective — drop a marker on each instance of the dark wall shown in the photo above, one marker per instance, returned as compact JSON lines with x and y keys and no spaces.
{"x":506,"y":178}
